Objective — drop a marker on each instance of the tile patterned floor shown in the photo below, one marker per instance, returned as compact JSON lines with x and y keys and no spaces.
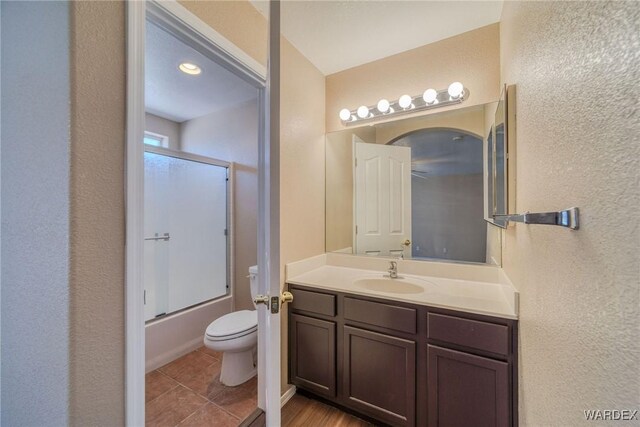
{"x":188,"y":392}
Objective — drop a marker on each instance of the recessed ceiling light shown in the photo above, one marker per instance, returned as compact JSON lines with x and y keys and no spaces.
{"x":189,"y":68}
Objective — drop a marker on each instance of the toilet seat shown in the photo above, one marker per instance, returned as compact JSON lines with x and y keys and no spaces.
{"x":233,"y":325}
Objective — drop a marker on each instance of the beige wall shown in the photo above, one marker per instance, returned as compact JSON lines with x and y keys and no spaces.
{"x":232,"y":135}
{"x":302,"y":174}
{"x":162,"y":126}
{"x":97,"y":213}
{"x":575,"y":65}
{"x":472,"y":58}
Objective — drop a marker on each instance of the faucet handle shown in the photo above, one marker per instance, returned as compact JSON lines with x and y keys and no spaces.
{"x":393,"y":265}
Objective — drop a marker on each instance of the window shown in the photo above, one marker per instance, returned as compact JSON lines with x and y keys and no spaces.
{"x":156,"y":139}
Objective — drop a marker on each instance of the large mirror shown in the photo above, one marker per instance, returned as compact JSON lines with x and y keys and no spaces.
{"x":414,"y":188}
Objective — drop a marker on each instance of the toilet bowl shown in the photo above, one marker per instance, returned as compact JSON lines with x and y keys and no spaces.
{"x":236,"y":336}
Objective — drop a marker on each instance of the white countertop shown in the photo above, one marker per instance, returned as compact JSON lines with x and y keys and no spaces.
{"x":492,"y":294}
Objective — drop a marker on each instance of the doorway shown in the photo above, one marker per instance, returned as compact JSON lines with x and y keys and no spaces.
{"x":241,"y":84}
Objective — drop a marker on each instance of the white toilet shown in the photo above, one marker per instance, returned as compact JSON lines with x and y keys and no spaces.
{"x":236,"y":335}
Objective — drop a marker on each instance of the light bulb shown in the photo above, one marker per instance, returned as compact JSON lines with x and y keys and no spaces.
{"x":363,"y":112}
{"x":383,"y":105}
{"x":345,"y":114}
{"x":189,"y":68}
{"x":404,"y":101}
{"x":430,"y":96}
{"x":455,"y":89}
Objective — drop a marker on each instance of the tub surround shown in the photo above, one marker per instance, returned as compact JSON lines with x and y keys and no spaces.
{"x":478,"y":289}
{"x":168,"y":338}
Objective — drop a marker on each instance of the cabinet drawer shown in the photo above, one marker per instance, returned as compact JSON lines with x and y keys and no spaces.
{"x":469,"y":333}
{"x":313,"y":302}
{"x":387,"y":316}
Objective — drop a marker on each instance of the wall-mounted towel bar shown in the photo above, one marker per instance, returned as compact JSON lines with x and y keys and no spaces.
{"x":567,"y":218}
{"x":164,"y":237}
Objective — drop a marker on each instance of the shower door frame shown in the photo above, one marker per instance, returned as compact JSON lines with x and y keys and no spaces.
{"x":190,"y":29}
{"x":230,"y":261}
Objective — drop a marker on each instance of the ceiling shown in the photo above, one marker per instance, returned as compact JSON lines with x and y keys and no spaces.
{"x":174,"y":95}
{"x":337,"y":35}
{"x":443,"y":152}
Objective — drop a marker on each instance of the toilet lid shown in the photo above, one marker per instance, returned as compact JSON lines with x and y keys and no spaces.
{"x":233,"y":323}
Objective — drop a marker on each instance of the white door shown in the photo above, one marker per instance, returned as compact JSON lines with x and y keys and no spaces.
{"x":383,"y":199}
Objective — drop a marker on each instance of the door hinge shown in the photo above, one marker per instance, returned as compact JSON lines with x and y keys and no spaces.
{"x":226,"y":232}
{"x":356,"y":229}
{"x":356,"y":162}
{"x":145,"y":297}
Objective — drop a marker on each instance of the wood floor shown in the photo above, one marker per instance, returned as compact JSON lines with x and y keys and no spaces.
{"x":301,"y":411}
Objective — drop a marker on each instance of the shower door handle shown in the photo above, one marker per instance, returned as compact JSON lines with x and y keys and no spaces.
{"x":164,"y":237}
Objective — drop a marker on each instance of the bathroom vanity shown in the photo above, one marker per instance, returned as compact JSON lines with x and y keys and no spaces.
{"x":444,"y":355}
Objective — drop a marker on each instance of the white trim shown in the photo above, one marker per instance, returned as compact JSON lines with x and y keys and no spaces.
{"x":193,"y":31}
{"x":287,"y":395}
{"x":134,"y":170}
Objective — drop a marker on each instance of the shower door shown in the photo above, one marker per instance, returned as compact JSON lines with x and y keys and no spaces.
{"x":186,"y":230}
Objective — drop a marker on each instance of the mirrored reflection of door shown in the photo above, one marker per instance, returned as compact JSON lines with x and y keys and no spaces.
{"x":383,"y":199}
{"x":185,"y":224}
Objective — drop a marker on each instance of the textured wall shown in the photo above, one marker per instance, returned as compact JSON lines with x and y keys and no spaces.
{"x":35,"y":213}
{"x":98,"y":107}
{"x":232,"y":135}
{"x":301,"y":165}
{"x":472,"y":58}
{"x":575,"y":65}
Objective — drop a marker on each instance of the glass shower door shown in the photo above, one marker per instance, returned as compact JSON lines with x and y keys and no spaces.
{"x":186,"y":224}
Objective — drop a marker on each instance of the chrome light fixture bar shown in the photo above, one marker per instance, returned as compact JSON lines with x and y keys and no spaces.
{"x":431,"y":98}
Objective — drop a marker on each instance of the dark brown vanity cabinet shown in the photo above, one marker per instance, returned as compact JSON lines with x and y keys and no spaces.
{"x":403,"y":364}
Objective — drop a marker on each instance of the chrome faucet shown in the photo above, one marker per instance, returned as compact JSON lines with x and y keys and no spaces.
{"x":393,"y":270}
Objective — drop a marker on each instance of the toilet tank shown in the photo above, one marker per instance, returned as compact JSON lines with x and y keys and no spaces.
{"x":253,"y":281}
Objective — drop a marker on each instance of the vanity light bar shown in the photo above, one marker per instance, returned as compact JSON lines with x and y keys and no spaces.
{"x":431,"y":98}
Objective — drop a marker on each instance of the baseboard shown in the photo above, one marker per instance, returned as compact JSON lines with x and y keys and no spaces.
{"x":172,"y":355}
{"x":287,"y":395}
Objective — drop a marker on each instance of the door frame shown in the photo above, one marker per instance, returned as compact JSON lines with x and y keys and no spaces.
{"x":187,"y":27}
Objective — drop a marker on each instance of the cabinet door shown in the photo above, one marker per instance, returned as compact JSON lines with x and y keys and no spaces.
{"x":380,"y":375}
{"x":466,"y":390}
{"x":313,"y":354}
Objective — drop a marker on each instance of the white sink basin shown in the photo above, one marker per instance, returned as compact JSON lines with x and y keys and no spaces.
{"x":394,"y":286}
